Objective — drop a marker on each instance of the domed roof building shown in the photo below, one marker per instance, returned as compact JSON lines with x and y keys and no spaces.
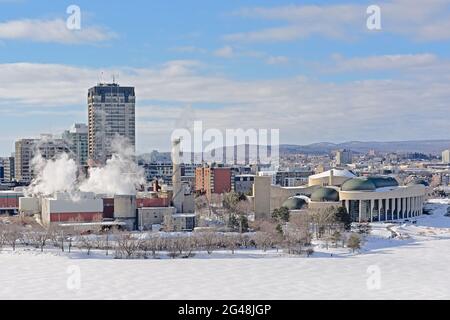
{"x":419,"y":181}
{"x":373,"y":198}
{"x":380,"y":198}
{"x":358,"y":184}
{"x":325,"y":195}
{"x":294,"y":203}
{"x":369,"y":183}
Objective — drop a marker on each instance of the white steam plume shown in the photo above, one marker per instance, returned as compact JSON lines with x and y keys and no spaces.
{"x":120,"y":174}
{"x":58,"y":175}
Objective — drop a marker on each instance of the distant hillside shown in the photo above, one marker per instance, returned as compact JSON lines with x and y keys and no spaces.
{"x":434,"y":147}
{"x":422,"y":146}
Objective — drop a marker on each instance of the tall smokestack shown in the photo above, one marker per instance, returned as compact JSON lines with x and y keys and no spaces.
{"x":331,"y":179}
{"x":178,"y":194}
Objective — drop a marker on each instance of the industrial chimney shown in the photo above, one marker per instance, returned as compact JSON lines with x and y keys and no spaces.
{"x":178,"y":193}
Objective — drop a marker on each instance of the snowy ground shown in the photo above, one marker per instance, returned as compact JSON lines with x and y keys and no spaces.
{"x":412,"y":265}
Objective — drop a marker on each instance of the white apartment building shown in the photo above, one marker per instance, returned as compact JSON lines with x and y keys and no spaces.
{"x":47,"y":146}
{"x":77,"y":139}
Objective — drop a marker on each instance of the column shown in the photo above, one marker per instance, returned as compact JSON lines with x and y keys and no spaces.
{"x":394,"y":208}
{"x":387,"y":208}
{"x":347,"y":205}
{"x":360,"y":210}
{"x":408,"y":206}
{"x":415,"y":207}
{"x":372,"y":204}
{"x":404,"y":207}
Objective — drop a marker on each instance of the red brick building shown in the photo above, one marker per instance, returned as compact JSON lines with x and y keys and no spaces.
{"x":211,"y":180}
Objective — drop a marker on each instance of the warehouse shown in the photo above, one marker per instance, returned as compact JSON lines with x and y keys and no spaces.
{"x":63,"y":207}
{"x":9,"y":201}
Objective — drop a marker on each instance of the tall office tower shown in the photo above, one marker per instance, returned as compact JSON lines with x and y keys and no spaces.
{"x":111,"y":113}
{"x":343,"y":157}
{"x":77,"y":140}
{"x":47,"y":146}
{"x":8,"y":168}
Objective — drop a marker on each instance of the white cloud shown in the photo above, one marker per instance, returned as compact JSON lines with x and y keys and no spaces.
{"x":277,"y":60}
{"x":425,"y":21}
{"x":224,"y":52}
{"x":385,"y":62}
{"x":52,"y":31}
{"x":188,"y":49}
{"x":303,"y":109}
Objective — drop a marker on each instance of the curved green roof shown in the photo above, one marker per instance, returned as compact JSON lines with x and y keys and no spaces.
{"x":419,"y":181}
{"x":381,"y":182}
{"x":369,"y":183}
{"x":325,"y":195}
{"x":358,"y":184}
{"x":294,"y":203}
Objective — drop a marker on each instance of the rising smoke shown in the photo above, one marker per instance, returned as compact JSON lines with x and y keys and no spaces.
{"x":120,"y":174}
{"x":58,"y":175}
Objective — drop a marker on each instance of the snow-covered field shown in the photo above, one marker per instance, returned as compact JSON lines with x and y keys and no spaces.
{"x":412,"y":265}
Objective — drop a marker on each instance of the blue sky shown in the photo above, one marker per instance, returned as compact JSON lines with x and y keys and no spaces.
{"x":310,"y":68}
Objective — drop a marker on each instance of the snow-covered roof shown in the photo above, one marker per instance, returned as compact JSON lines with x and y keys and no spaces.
{"x":336,"y":173}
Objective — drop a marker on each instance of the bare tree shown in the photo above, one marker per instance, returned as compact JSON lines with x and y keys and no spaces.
{"x":86,"y":242}
{"x":152,"y":243}
{"x":2,"y":236}
{"x":12,"y":235}
{"x":263,"y":240}
{"x":202,"y":204}
{"x":233,"y":241}
{"x":323,"y":221}
{"x":267,"y":234}
{"x":127,"y":245}
{"x":171,"y":245}
{"x":208,"y":241}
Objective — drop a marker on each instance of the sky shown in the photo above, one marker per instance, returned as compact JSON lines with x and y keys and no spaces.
{"x":312,"y":69}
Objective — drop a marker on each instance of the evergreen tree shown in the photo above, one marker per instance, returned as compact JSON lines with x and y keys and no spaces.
{"x":281,"y":214}
{"x":342,"y":216}
{"x":354,"y":242}
{"x":335,"y":237}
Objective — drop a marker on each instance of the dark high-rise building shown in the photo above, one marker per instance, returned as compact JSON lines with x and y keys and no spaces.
{"x":111,"y":111}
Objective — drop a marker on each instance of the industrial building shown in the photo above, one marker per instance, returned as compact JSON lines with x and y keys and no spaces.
{"x":63,"y":207}
{"x":9,"y":201}
{"x":180,"y":221}
{"x":148,"y":217}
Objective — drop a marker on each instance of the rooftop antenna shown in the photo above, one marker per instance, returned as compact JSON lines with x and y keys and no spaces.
{"x":101,"y":78}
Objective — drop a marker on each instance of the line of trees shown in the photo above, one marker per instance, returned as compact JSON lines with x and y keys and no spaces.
{"x":296,"y":232}
{"x":290,"y":233}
